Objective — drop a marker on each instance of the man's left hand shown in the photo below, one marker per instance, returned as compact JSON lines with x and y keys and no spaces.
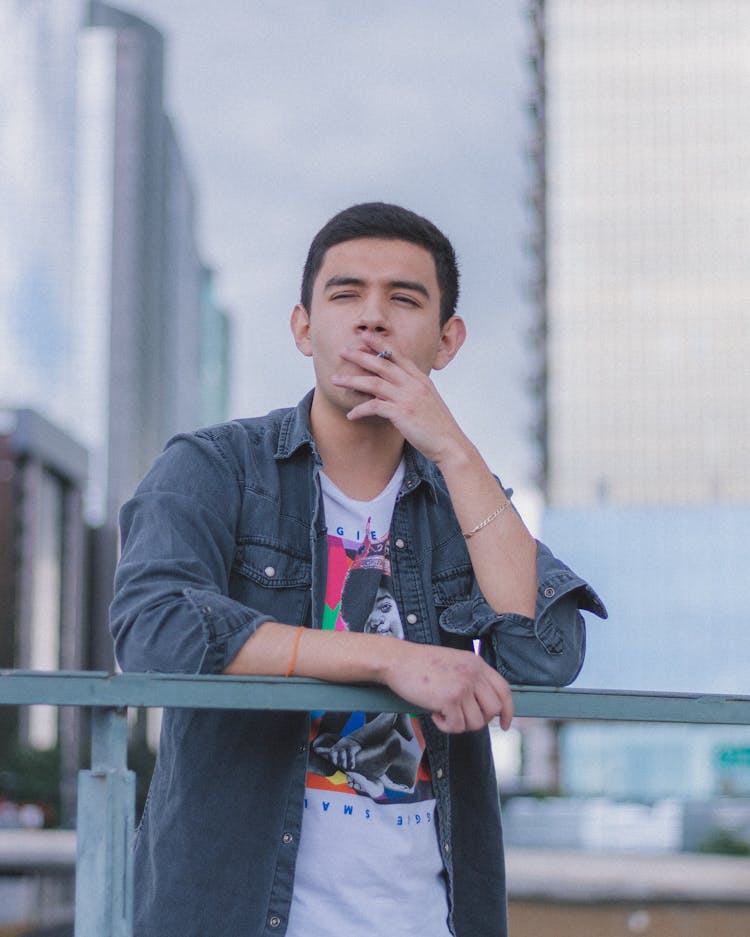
{"x":404,"y":395}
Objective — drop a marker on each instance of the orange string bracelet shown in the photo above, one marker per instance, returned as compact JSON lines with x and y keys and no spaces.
{"x":293,"y":660}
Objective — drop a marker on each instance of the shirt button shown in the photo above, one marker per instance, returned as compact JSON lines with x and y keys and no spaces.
{"x":447,"y":848}
{"x":439,"y":773}
{"x":270,"y":572}
{"x":400,"y":544}
{"x":549,"y":592}
{"x":274,"y":921}
{"x":411,"y":618}
{"x":287,"y":838}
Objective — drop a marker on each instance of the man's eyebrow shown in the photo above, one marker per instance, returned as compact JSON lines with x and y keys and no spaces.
{"x":343,"y":281}
{"x":415,"y":285}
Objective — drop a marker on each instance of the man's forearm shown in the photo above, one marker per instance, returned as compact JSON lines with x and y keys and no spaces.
{"x":460,"y":690}
{"x":503,"y":552}
{"x":335,"y":656}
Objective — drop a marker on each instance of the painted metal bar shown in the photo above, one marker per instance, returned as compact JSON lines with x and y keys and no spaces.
{"x":105,"y":829}
{"x":631,"y":706}
{"x":98,"y":689}
{"x":179,"y":690}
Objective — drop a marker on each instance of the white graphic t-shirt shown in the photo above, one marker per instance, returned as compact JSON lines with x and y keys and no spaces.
{"x":369,"y":861}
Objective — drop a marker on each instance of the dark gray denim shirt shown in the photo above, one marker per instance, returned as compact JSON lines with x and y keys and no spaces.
{"x":227,"y":531}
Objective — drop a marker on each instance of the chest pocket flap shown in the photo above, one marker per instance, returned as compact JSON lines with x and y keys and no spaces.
{"x":272,"y":566}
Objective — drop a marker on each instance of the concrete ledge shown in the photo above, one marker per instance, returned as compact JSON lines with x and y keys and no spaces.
{"x":35,"y":851}
{"x":571,"y":876}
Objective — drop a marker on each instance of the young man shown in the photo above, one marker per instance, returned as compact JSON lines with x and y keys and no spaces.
{"x":288,"y":543}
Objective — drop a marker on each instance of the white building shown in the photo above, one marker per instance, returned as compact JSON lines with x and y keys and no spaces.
{"x":648,"y":240}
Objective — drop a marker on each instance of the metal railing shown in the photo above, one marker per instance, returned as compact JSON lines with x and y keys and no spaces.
{"x":106,"y":791}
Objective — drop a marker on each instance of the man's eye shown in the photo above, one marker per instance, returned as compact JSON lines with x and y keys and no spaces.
{"x":406,"y":299}
{"x":343,"y":295}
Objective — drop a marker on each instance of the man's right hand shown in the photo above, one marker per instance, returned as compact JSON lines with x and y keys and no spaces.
{"x":460,"y":690}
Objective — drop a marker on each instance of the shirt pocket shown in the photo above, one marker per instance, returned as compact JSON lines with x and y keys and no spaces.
{"x":452,"y":598}
{"x":452,"y":585}
{"x":272,"y":579}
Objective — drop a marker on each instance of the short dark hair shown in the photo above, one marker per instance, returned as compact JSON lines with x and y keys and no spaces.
{"x":390,"y":222}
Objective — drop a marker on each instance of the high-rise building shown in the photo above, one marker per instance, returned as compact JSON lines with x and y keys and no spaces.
{"x":105,"y":302}
{"x":151,"y":279}
{"x":646,"y":184}
{"x":37,"y":186}
{"x":103,"y":294}
{"x":641,"y":157}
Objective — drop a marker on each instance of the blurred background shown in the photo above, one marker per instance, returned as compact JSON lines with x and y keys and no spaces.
{"x":163,"y":168}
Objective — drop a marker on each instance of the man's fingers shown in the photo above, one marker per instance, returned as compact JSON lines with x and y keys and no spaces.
{"x":364,"y":383}
{"x":493,"y":702}
{"x":506,"y":715}
{"x":390,"y":366}
{"x":476,"y":710}
{"x":460,"y":689}
{"x":504,"y":700}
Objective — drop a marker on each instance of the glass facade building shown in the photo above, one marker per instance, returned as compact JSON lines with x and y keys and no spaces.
{"x":647,"y":243}
{"x":103,"y":298}
{"x":642,"y":162}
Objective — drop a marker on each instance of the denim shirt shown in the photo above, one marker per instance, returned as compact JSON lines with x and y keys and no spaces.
{"x":226,"y":532}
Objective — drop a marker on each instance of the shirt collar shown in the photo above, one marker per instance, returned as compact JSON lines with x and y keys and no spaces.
{"x":296,"y":432}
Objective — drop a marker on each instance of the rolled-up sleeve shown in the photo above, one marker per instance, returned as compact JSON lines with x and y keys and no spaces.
{"x":171,"y":611}
{"x":547,"y":650}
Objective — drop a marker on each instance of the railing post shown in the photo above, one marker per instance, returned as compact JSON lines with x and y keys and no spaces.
{"x":106,"y":817}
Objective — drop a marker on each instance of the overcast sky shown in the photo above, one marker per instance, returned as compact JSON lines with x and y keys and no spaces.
{"x":288,"y":112}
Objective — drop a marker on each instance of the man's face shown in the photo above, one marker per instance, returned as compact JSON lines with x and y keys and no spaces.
{"x":370,"y":294}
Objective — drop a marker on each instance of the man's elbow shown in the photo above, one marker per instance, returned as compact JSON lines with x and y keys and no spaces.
{"x":566,"y":650}
{"x":551,"y":653}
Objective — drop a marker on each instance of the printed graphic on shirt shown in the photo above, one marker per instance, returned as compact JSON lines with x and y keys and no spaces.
{"x":368,"y":861}
{"x":378,"y":755}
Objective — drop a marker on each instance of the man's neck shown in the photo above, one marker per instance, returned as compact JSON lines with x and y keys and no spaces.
{"x":360,"y":457}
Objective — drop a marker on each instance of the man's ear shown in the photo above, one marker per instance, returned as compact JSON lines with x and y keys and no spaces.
{"x":300,"y":325}
{"x":452,"y":337}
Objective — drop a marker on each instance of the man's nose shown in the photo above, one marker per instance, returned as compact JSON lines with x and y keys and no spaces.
{"x":373,"y":316}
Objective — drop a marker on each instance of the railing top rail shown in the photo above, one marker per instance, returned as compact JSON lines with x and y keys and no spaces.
{"x":103,"y":690}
